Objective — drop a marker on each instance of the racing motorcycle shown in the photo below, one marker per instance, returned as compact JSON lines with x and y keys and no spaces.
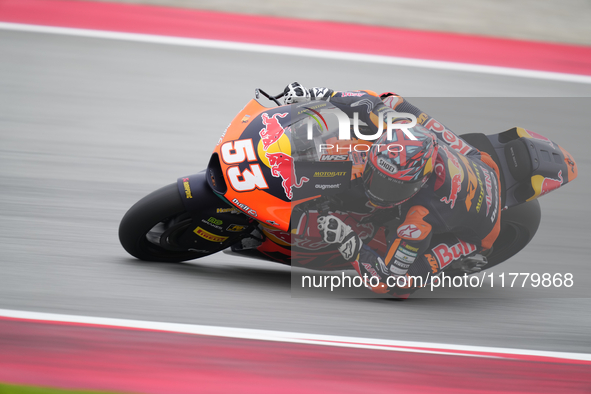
{"x":276,"y":168}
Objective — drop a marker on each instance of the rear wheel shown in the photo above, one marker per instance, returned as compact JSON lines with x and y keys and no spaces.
{"x":518,"y":226}
{"x":152,"y":226}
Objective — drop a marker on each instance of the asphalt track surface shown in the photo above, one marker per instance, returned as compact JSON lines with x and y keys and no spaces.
{"x":89,"y":126}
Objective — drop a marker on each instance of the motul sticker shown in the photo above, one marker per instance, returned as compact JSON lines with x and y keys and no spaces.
{"x":409,"y":231}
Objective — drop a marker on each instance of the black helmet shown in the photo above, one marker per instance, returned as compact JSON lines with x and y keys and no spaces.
{"x":396,"y":168}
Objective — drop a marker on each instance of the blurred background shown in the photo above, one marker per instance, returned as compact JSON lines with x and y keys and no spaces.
{"x":88,"y":126}
{"x":567,"y":21}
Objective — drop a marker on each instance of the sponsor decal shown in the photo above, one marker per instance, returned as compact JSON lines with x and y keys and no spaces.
{"x":453,"y":140}
{"x":245,"y":208}
{"x":187,"y":188}
{"x":227,"y":210}
{"x":446,"y":254}
{"x":211,"y":224}
{"x":432,"y":263}
{"x":549,"y":184}
{"x":396,"y":270}
{"x":387,"y":166}
{"x":408,"y":252}
{"x":403,"y":257}
{"x":236,"y":228}
{"x":209,"y":236}
{"x":440,"y":172}
{"x":422,"y":118}
{"x":215,"y":221}
{"x":409,"y":231}
{"x":370,"y":269}
{"x":245,"y":118}
{"x":481,"y":196}
{"x":272,"y":130}
{"x":272,"y":222}
{"x":349,"y":249}
{"x":401,"y":264}
{"x":472,"y":183}
{"x":488,"y":184}
{"x":282,"y":166}
{"x":223,"y":134}
{"x":334,"y":157}
{"x":352,"y":94}
{"x":495,"y":210}
{"x":540,"y":137}
{"x":392,"y":101}
{"x":335,"y":186}
{"x":407,"y":246}
{"x":329,"y":174}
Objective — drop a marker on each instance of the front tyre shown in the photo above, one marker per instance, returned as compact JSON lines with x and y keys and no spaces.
{"x":149,"y":229}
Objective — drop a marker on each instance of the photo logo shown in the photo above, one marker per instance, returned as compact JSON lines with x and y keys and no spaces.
{"x":345,"y":125}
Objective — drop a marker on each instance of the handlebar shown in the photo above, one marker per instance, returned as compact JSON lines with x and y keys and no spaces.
{"x":258,"y":92}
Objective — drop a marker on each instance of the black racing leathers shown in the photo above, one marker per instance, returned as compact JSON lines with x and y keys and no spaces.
{"x":455,"y":214}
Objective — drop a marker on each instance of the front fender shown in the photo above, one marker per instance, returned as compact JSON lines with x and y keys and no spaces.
{"x":215,"y":225}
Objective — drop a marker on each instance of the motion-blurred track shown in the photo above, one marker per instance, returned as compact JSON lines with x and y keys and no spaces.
{"x":89,"y":126}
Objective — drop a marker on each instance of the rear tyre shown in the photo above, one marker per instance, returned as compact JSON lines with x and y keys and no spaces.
{"x":518,"y":226}
{"x":149,"y":229}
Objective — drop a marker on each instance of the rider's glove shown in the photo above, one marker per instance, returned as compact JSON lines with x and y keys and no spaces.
{"x":295,"y":93}
{"x":334,"y":231}
{"x":319,"y":93}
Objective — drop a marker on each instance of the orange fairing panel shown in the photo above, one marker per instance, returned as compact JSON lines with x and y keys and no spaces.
{"x":255,"y":158}
{"x":571,"y":166}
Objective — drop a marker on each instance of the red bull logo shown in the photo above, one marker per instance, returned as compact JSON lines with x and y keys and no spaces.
{"x":272,"y":130}
{"x":549,"y":184}
{"x":456,"y":175}
{"x":446,"y":254}
{"x":539,"y":137}
{"x":282,"y":166}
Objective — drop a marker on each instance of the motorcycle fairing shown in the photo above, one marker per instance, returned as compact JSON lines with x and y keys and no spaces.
{"x":531,"y":164}
{"x":215,"y":225}
{"x":249,"y":184}
{"x":260,"y":161}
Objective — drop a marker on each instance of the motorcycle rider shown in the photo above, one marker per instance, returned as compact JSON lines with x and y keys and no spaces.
{"x":446,"y":191}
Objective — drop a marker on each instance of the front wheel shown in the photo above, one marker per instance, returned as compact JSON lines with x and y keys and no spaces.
{"x":150,"y":228}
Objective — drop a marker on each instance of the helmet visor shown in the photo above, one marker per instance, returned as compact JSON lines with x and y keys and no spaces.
{"x":384,"y":190}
